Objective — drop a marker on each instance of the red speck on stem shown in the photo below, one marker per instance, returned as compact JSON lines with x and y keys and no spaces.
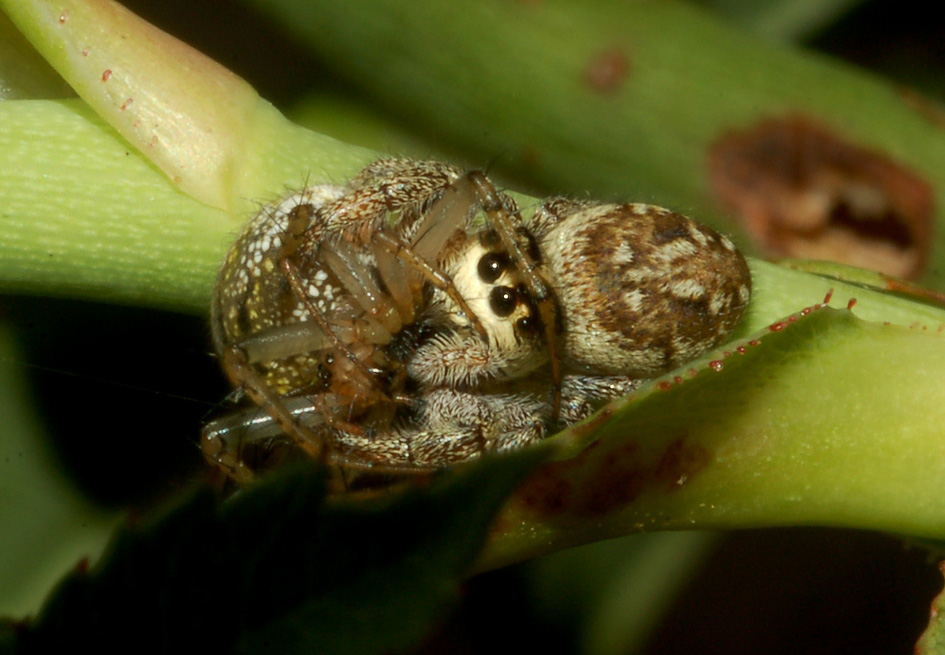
{"x":106,"y":74}
{"x":606,"y":72}
{"x":63,"y":17}
{"x":716,"y":365}
{"x":127,"y":104}
{"x":777,"y":327}
{"x":828,"y":297}
{"x":851,"y":303}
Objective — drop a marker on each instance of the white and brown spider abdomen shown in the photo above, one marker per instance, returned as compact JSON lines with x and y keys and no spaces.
{"x":642,"y":289}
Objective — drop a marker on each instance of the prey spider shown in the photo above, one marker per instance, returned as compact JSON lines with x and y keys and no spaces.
{"x":379,"y":325}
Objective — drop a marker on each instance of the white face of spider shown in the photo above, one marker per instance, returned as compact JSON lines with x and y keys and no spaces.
{"x":491,"y":287}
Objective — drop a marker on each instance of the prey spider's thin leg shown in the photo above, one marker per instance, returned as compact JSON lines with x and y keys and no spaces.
{"x":295,"y":281}
{"x":435,"y":276}
{"x":299,"y":220}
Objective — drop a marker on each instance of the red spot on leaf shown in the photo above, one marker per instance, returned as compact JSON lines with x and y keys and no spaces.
{"x":851,"y":303}
{"x":716,"y":365}
{"x":106,"y":74}
{"x":127,"y":104}
{"x":802,"y":190}
{"x":606,"y":72}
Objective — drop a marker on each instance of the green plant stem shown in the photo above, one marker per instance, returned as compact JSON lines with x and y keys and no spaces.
{"x":85,"y":215}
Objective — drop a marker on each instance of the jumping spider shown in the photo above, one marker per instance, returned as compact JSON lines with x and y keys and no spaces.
{"x":381,"y":325}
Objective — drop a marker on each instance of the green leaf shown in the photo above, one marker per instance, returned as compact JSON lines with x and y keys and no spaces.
{"x":46,"y":527}
{"x":783,"y":20}
{"x":280,"y":568}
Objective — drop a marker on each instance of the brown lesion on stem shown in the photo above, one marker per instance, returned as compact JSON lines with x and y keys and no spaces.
{"x":801,"y":190}
{"x":605,"y":479}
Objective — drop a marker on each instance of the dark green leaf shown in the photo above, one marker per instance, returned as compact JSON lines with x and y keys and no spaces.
{"x":282,"y":568}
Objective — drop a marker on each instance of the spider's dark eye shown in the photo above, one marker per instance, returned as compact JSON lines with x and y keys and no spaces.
{"x":503,"y":300}
{"x":527,"y":325}
{"x":491,"y":266}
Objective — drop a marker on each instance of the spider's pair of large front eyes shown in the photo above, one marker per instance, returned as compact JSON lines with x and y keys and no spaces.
{"x":502,"y":300}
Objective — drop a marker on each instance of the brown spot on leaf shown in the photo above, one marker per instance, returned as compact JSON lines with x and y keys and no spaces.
{"x":606,"y":71}
{"x":801,"y":190}
{"x":619,"y":478}
{"x":606,"y":479}
{"x":546,"y":492}
{"x":679,"y":463}
{"x":916,"y":292}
